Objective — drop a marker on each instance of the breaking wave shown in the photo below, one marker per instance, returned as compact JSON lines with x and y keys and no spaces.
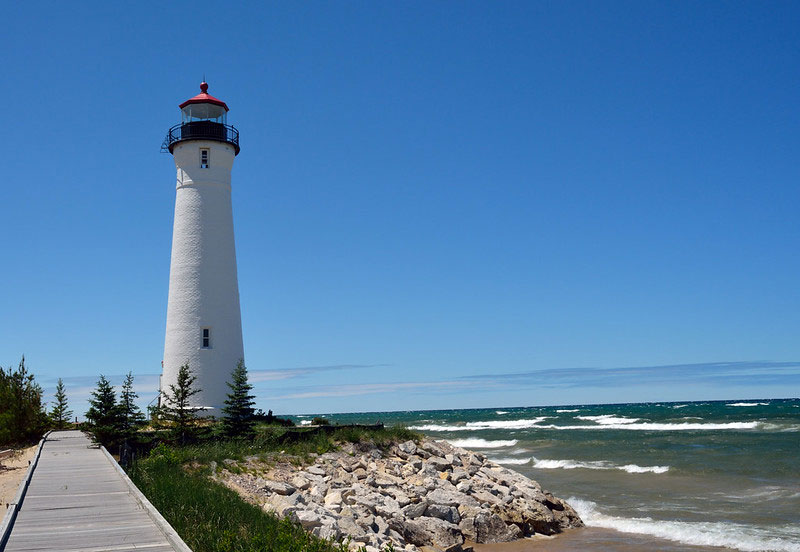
{"x":481,"y":443}
{"x":648,"y":426}
{"x":512,"y":461}
{"x":500,"y":412}
{"x":609,"y":419}
{"x":748,"y":404}
{"x":491,"y":424}
{"x":596,"y":465}
{"x":746,"y":538}
{"x":569,"y":410}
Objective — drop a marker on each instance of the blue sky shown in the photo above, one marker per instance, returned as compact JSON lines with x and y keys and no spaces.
{"x":436,"y":204}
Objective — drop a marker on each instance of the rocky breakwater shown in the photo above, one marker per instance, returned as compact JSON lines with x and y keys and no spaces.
{"x":411,"y":495}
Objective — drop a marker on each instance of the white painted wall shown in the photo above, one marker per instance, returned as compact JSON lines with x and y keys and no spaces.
{"x":203,"y":284}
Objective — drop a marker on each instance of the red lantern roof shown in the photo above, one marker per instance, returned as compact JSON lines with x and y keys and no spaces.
{"x":204,"y":97}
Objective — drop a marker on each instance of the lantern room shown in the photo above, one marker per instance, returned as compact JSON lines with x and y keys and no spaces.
{"x":204,"y":107}
{"x":203,"y":117}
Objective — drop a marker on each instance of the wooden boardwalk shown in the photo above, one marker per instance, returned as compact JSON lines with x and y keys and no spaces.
{"x":79,"y":499}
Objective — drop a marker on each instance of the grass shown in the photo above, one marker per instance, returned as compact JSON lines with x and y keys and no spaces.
{"x":212,"y":518}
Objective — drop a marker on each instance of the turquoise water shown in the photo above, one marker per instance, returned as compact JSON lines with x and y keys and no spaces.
{"x":683,"y":476}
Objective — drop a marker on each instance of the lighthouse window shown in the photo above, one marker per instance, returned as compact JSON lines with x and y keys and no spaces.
{"x":206,"y":338}
{"x":203,"y":158}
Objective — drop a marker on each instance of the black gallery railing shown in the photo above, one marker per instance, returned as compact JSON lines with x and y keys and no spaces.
{"x":201,"y":130}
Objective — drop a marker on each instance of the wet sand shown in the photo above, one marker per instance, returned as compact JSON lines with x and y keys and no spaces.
{"x":12,"y":472}
{"x":592,"y":539}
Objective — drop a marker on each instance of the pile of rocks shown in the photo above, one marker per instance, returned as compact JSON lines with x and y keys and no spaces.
{"x":429,"y":494}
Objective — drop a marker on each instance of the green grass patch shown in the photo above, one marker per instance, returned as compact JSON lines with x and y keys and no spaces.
{"x":212,"y":518}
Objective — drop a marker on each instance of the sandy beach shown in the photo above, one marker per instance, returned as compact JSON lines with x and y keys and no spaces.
{"x":12,"y":471}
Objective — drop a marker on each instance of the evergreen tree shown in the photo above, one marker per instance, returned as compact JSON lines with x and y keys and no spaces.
{"x":104,"y":414}
{"x":238,"y":412}
{"x":177,"y":409}
{"x":61,"y":414}
{"x":130,"y":415}
{"x":22,"y":415}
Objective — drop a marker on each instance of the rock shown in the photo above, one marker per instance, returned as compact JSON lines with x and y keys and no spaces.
{"x":278,"y":487}
{"x":429,"y":532}
{"x":408,"y":448}
{"x":439,"y":464}
{"x":413,"y":511}
{"x":388,"y":507}
{"x":300,"y":482}
{"x":485,"y":497}
{"x":308,"y":519}
{"x":381,"y":526}
{"x":284,"y":505}
{"x":464,"y":487}
{"x":331,"y":532}
{"x":333,"y":498}
{"x":450,"y":498}
{"x":490,"y":528}
{"x":447,"y":513}
{"x":316,"y":470}
{"x":458,"y":475}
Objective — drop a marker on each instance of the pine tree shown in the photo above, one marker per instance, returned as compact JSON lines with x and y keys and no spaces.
{"x":238,"y":412}
{"x":22,"y":415}
{"x":130,"y":415}
{"x":177,"y":408}
{"x":103,"y":414}
{"x":61,"y":414}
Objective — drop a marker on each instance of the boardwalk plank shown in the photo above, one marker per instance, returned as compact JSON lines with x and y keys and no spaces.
{"x":78,"y":501}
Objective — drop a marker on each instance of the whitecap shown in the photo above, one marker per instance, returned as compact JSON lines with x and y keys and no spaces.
{"x":746,"y":538}
{"x":512,"y":461}
{"x":647,"y":426}
{"x":680,"y":406}
{"x":482,"y":443}
{"x":569,"y":410}
{"x":609,"y":419}
{"x":305,"y":422}
{"x":595,"y":465}
{"x":748,"y":404}
{"x":489,"y":424}
{"x":500,"y":412}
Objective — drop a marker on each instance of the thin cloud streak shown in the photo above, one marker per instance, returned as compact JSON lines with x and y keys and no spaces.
{"x":291,"y":373}
{"x":720,"y":373}
{"x":372,"y":388}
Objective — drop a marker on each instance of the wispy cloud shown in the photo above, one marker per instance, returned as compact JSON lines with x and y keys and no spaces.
{"x":351,"y":390}
{"x":725,"y":373}
{"x":290,"y":373}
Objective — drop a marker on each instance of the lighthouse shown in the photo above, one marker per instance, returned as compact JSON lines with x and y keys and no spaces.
{"x":204,"y":322}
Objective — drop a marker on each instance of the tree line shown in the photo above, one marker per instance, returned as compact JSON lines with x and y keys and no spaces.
{"x":23,"y":417}
{"x":114,"y":421}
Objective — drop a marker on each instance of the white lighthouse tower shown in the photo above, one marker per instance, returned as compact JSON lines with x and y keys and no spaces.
{"x":204,"y":323}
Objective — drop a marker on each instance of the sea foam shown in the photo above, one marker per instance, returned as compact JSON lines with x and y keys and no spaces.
{"x":569,"y":410}
{"x":731,"y":535}
{"x":481,"y":443}
{"x":748,"y":404}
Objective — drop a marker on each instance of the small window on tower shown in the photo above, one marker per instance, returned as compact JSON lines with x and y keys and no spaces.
{"x":206,"y":338}
{"x":203,"y":158}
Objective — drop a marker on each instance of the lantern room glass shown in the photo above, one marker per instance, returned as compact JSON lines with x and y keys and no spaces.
{"x":204,"y":112}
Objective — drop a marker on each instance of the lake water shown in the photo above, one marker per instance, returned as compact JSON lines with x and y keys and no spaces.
{"x":669,"y":476}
